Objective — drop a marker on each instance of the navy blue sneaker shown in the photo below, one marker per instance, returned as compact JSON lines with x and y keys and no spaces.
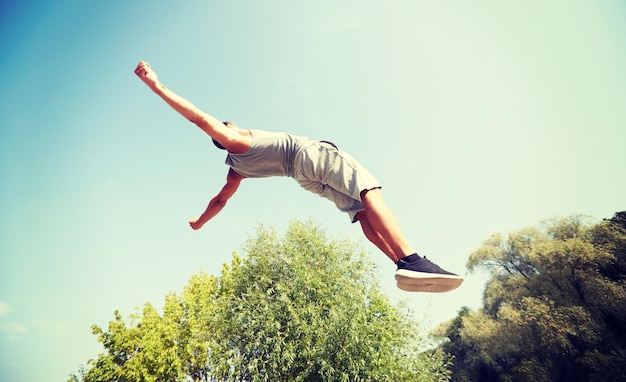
{"x":423,"y":275}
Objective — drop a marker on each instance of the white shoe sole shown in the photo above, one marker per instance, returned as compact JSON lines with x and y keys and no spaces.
{"x":412,"y":281}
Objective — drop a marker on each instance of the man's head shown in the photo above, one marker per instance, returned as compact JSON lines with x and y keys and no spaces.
{"x":219,"y":145}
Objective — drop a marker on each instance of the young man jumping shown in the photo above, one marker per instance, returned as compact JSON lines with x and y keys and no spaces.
{"x":318,"y":166}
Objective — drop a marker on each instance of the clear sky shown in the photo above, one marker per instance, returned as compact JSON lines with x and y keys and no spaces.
{"x":477,"y":117}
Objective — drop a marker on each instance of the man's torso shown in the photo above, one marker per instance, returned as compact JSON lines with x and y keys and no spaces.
{"x":270,"y":154}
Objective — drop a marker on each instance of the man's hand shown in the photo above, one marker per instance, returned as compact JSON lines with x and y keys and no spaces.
{"x":146,"y":74}
{"x":195,"y":223}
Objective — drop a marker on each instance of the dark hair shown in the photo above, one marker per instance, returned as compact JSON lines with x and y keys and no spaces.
{"x":218,"y":145}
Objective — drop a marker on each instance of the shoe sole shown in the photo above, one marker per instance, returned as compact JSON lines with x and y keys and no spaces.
{"x":412,"y":281}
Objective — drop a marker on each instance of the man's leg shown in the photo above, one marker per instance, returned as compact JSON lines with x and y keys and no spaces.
{"x":414,"y":273}
{"x":380,"y":226}
{"x":374,"y":237}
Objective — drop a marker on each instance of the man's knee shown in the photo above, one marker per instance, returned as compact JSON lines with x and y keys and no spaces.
{"x":360,"y":217}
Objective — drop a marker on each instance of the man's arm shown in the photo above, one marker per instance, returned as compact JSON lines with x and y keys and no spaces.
{"x":233,"y":179}
{"x":209,"y":124}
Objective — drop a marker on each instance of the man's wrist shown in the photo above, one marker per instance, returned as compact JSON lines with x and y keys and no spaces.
{"x":156,"y":87}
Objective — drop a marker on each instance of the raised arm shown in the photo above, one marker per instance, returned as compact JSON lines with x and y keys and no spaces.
{"x":233,"y":179}
{"x":209,"y":124}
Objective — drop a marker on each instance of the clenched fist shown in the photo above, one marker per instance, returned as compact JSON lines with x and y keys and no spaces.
{"x":146,"y":74}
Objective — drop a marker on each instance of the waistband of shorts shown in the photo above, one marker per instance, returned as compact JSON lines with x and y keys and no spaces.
{"x":330,"y":143}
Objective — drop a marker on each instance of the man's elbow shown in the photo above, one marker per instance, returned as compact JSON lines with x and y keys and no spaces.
{"x":197,"y":119}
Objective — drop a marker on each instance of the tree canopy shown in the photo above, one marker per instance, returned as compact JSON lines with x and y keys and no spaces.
{"x":295,"y":308}
{"x":554,"y":308}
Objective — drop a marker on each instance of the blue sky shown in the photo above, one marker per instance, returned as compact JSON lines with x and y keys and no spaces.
{"x":477,"y":117}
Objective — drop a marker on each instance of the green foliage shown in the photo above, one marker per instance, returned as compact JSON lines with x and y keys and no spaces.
{"x":296,"y":308}
{"x":554,"y":308}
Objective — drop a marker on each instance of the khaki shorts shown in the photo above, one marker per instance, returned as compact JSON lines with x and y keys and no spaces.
{"x":335,"y":175}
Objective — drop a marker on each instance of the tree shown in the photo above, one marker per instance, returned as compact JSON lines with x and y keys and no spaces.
{"x":554,"y":308}
{"x":296,"y":308}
